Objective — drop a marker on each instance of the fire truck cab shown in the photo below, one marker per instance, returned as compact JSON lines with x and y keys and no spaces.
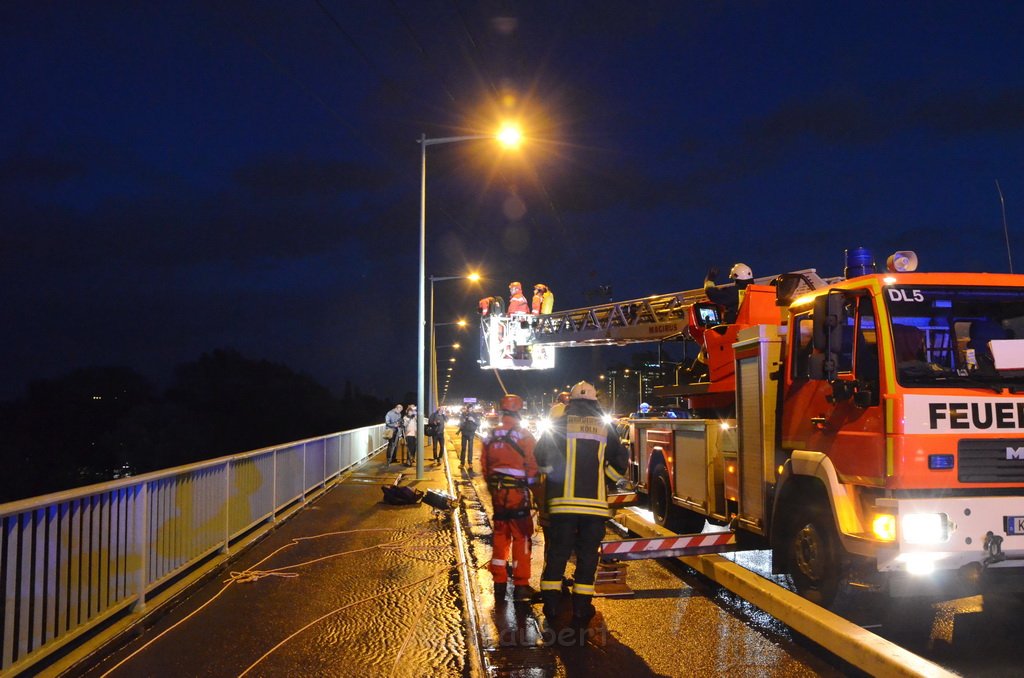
{"x":871,"y":429}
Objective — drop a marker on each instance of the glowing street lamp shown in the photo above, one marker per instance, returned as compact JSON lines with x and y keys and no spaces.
{"x":508,"y":139}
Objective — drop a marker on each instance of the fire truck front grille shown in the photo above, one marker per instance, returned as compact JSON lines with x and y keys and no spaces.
{"x":991,"y":461}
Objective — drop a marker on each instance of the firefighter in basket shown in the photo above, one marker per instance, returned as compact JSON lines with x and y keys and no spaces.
{"x":509,"y":467}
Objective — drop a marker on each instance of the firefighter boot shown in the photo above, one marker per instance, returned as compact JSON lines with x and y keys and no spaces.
{"x":582,"y":610}
{"x":524,"y":593}
{"x":597,"y":630}
{"x":550,"y":600}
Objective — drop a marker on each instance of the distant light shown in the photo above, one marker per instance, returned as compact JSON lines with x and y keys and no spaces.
{"x":725,"y":426}
{"x":461,"y":322}
{"x":510,"y":136}
{"x":456,"y":345}
{"x":473,"y":277}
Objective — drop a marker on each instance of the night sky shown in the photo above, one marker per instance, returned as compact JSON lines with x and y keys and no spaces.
{"x":177,"y":177}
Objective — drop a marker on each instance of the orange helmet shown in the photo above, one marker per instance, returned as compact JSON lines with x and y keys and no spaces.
{"x":511,"y":403}
{"x":515,"y":287}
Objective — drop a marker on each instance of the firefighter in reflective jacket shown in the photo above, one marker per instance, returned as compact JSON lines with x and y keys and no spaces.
{"x":516,"y":299}
{"x":509,"y":467}
{"x":578,"y":453}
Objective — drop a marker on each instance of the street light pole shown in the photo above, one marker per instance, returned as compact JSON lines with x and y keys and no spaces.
{"x":433,"y":340}
{"x":507,"y":136}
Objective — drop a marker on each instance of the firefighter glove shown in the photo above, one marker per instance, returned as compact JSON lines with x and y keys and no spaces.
{"x":712,"y":274}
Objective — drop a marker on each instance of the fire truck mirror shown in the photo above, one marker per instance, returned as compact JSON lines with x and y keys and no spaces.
{"x":864,"y":398}
{"x":822,"y":366}
{"x":828,"y":323}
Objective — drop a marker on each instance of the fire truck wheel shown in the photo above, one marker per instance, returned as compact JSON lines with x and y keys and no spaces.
{"x":666,"y":513}
{"x":813,"y":555}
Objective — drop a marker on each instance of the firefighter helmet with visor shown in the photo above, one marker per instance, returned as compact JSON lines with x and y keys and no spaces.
{"x":583,"y":391}
{"x":511,"y":403}
{"x":741,"y":272}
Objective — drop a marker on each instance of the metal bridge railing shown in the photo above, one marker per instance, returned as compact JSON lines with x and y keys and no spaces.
{"x":72,"y":561}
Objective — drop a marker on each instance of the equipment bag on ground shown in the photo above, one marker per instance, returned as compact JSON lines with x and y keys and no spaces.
{"x":400,"y":495}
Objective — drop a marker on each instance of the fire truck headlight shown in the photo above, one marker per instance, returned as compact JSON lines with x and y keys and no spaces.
{"x":884,"y":526}
{"x":924,"y":528}
{"x":920,"y":566}
{"x":919,"y":563}
{"x":543,"y":426}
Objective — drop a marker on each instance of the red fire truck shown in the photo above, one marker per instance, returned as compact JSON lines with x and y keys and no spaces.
{"x":865,"y":429}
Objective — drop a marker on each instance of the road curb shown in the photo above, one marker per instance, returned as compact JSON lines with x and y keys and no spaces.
{"x":473,"y":641}
{"x":861,"y":648}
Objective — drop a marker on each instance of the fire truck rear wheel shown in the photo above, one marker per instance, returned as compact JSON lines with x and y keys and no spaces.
{"x":813,"y":555}
{"x":666,"y":513}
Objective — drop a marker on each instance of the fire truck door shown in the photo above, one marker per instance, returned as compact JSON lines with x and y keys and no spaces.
{"x":843,"y":419}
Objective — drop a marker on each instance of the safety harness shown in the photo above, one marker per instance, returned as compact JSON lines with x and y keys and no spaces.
{"x":500,"y":483}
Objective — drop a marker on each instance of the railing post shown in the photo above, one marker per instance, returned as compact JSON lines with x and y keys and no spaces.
{"x":273,"y":510}
{"x":227,"y":508}
{"x":303,"y":473}
{"x":141,"y":537}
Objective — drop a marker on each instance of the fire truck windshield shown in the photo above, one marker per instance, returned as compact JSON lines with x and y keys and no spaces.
{"x":951,"y":337}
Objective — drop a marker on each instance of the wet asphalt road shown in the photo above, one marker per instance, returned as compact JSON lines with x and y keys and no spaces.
{"x":676,"y":624}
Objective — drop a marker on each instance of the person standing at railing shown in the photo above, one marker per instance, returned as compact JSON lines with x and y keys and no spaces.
{"x":437,"y":421}
{"x":467,"y":430}
{"x":411,"y":441}
{"x":392,"y":431}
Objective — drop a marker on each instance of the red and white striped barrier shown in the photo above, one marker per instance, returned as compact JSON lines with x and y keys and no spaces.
{"x":668,"y":547}
{"x":623,"y":498}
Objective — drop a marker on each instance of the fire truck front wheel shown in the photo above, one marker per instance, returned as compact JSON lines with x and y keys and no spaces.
{"x":813,"y":554}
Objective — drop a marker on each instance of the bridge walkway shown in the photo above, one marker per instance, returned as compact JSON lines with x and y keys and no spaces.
{"x":349,"y":586}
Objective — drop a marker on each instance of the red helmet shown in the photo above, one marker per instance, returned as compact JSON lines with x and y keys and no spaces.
{"x":511,"y":403}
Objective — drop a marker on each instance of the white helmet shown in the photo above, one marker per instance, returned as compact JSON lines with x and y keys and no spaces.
{"x":740,"y":272}
{"x":583,"y":391}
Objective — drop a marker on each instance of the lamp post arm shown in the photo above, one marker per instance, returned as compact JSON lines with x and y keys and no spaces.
{"x":451,"y":140}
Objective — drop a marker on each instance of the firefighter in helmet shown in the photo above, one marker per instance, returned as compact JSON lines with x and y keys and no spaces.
{"x":729,"y":296}
{"x":509,"y":467}
{"x":558,"y":407}
{"x":578,"y":453}
{"x":516,"y":299}
{"x":543,"y":299}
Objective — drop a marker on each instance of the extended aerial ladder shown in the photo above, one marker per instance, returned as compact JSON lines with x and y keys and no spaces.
{"x":526,"y":342}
